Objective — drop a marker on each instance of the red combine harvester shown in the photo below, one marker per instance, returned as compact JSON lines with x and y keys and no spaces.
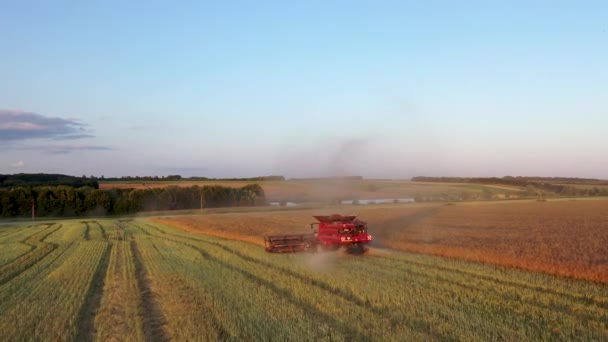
{"x":333,"y":232}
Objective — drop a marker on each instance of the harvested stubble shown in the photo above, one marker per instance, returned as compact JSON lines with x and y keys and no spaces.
{"x":567,"y":238}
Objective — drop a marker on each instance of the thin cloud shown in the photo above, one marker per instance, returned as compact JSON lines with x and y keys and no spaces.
{"x":18,"y":164}
{"x":20,"y":125}
{"x":67,"y":148}
{"x":74,"y":137}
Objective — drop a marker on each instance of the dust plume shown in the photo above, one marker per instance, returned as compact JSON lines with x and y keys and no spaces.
{"x":321,"y":262}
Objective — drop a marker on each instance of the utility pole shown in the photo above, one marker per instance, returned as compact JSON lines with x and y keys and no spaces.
{"x":202,"y":200}
{"x":33,"y":210}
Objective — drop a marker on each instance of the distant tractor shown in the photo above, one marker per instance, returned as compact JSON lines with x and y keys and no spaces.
{"x":332,"y":232}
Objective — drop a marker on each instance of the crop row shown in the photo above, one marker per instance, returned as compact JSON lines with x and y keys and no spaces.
{"x":17,"y":232}
{"x":38,"y":250}
{"x":176,"y":307}
{"x":46,"y":301}
{"x":108,"y":306}
{"x":224,"y":298}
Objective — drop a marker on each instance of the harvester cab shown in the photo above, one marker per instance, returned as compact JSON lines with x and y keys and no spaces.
{"x":329,"y":233}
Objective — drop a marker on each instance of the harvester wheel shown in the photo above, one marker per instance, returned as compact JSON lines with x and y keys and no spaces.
{"x":330,"y":247}
{"x":356,"y":249}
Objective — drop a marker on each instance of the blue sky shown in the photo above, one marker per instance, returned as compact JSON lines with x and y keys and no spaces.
{"x":383,"y":89}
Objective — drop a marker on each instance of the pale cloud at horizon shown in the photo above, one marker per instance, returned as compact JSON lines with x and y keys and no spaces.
{"x":65,"y":148}
{"x":18,"y":164}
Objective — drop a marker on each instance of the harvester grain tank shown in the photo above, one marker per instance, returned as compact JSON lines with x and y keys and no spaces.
{"x":329,"y":233}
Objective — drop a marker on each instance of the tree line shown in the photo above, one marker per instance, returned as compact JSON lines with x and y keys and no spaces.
{"x":60,"y":201}
{"x":180,"y":178}
{"x":40,"y":179}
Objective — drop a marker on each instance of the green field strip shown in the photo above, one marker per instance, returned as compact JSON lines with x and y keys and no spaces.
{"x":497,"y":308}
{"x":305,"y":278}
{"x":188,"y":312}
{"x":411,"y":322}
{"x":347,"y":304}
{"x":85,"y":329}
{"x":118,"y":313}
{"x":582,"y":292}
{"x":259,"y":304}
{"x":337,"y":290}
{"x":596,"y":304}
{"x":71,"y":231}
{"x":153,"y":318}
{"x":13,"y":245}
{"x":568,"y":310}
{"x":7,"y":231}
{"x":279,"y":306}
{"x":53,"y":295}
{"x":506,"y":297}
{"x":21,"y":283}
{"x":12,"y":251}
{"x":22,"y":234}
{"x":298,"y":296}
{"x":39,"y":250}
{"x":199,"y":303}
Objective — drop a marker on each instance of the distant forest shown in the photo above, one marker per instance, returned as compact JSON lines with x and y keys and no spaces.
{"x":39,"y":179}
{"x":562,"y":186}
{"x":75,"y":200}
{"x":180,"y":178}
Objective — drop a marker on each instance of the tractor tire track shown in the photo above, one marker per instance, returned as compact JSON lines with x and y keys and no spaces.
{"x":14,"y":230}
{"x":104,"y":235}
{"x":150,"y":313}
{"x":88,"y":311}
{"x":51,"y":260}
{"x":87,"y":233}
{"x":222,"y":333}
{"x":417,"y":325}
{"x":39,"y":251}
{"x":25,"y":243}
{"x":348,"y":331}
{"x":344,"y":294}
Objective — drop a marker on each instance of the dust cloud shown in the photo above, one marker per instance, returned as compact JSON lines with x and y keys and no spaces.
{"x":321,"y":262}
{"x":393,"y":141}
